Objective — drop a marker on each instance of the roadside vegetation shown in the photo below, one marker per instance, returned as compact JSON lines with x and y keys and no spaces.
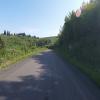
{"x":18,"y":46}
{"x":53,"y":39}
{"x":79,"y":39}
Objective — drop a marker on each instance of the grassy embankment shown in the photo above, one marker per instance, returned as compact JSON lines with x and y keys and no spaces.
{"x":87,"y":69}
{"x":17,"y":48}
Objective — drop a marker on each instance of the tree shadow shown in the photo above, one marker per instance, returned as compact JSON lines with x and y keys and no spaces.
{"x":47,"y":84}
{"x":29,"y":86}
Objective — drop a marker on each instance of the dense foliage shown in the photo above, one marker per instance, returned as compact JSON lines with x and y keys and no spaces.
{"x":80,"y":36}
{"x":13,"y":46}
{"x":79,"y":39}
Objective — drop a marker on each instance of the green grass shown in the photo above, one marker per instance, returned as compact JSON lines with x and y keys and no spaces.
{"x":16,"y":48}
{"x":89,"y":70}
{"x":6,"y":63}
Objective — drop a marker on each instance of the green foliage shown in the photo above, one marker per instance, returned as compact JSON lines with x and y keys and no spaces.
{"x":2,"y":47}
{"x":14,"y":46}
{"x":1,"y":44}
{"x":43,"y":42}
{"x":80,"y":36}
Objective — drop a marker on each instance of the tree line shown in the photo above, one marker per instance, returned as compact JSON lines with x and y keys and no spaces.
{"x":80,"y":34}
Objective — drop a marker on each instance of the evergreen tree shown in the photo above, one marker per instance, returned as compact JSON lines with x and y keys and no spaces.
{"x":5,"y":32}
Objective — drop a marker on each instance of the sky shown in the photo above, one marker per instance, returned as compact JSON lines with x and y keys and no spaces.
{"x":42,"y":18}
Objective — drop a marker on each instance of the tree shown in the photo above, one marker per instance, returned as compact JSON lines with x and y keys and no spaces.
{"x":1,"y":43}
{"x":8,"y":33}
{"x":43,"y":42}
{"x":5,"y":32}
{"x":34,"y":36}
{"x":80,"y":35}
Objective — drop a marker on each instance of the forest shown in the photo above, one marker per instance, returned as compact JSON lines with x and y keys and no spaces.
{"x":79,"y":39}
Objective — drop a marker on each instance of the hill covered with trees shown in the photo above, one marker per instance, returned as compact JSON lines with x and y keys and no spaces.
{"x":79,"y":39}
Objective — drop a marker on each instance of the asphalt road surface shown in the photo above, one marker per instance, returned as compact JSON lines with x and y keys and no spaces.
{"x":46,"y":77}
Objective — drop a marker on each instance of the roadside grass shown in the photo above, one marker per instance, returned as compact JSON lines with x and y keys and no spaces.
{"x":89,"y":70}
{"x":5,"y":63}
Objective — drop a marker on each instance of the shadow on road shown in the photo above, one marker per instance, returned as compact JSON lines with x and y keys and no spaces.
{"x":29,"y":87}
{"x":46,"y":77}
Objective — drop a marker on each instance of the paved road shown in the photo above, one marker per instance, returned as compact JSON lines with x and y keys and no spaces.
{"x":46,"y":77}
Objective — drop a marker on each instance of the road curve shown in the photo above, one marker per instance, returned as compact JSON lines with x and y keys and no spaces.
{"x":46,"y":77}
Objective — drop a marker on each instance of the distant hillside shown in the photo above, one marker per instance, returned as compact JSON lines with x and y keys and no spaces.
{"x":52,"y":38}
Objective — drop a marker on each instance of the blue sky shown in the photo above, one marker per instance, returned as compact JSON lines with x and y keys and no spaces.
{"x":36,"y":17}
